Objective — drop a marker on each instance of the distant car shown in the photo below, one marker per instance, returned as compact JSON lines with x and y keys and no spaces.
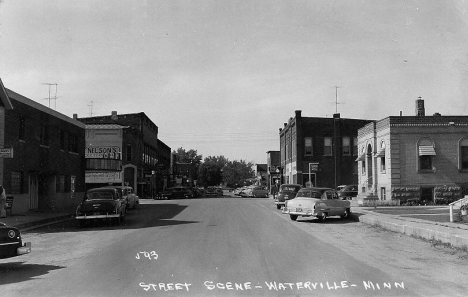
{"x":286,"y":192}
{"x":220,"y":192}
{"x":317,"y":202}
{"x":348,"y":192}
{"x":245,"y":192}
{"x":211,"y":191}
{"x":127,"y":193}
{"x":104,"y":203}
{"x":11,"y":243}
{"x":182,"y":193}
{"x":259,"y":192}
{"x":164,"y":194}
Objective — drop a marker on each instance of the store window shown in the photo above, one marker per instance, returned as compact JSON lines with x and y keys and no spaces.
{"x":355,"y":146}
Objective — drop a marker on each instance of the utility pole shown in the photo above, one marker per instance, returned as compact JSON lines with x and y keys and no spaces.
{"x":336,"y":99}
{"x":52,"y":98}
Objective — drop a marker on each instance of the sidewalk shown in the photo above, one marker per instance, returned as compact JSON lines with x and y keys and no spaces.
{"x":35,"y":218}
{"x":455,"y":234}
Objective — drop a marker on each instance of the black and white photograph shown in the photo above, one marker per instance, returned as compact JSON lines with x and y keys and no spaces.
{"x":233,"y":148}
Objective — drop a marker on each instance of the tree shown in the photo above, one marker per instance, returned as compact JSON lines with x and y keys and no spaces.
{"x":210,"y":172}
{"x":190,"y":156}
{"x":236,"y":173}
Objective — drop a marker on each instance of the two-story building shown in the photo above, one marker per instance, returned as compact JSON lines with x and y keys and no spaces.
{"x":422,"y":158}
{"x":45,"y":167}
{"x":135,"y":138}
{"x":320,"y":151}
{"x":274,"y":169}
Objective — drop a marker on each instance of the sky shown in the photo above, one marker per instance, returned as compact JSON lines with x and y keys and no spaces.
{"x":221,"y":77}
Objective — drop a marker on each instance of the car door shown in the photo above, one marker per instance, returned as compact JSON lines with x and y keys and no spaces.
{"x":331,"y":202}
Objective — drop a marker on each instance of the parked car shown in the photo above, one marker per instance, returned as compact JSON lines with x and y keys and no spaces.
{"x":246,"y":191}
{"x":11,"y":243}
{"x":317,"y":202}
{"x":348,"y":192}
{"x":127,"y":193}
{"x":182,"y":193}
{"x":164,"y":194}
{"x":211,"y":191}
{"x":104,"y":203}
{"x":286,"y":192}
{"x":259,"y":192}
{"x":220,"y":192}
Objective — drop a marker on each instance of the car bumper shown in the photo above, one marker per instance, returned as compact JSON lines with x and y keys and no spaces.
{"x":106,"y":216}
{"x":298,"y":212}
{"x":25,"y":249}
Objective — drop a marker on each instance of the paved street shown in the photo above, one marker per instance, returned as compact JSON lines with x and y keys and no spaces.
{"x":227,"y":247}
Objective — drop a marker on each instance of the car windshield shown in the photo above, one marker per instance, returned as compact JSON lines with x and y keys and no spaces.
{"x":289,"y":188}
{"x":99,"y":195}
{"x":309,"y":194}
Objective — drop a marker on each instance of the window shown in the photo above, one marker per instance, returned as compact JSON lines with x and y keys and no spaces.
{"x":16,"y":182}
{"x":308,"y":146}
{"x":426,"y":152}
{"x":355,"y":146}
{"x":381,"y":155}
{"x":383,"y":193}
{"x":22,"y":127}
{"x":72,"y":143}
{"x":363,"y":163}
{"x":327,"y":151}
{"x":62,"y":140}
{"x":464,"y":154}
{"x":346,"y":146}
{"x":44,"y":135}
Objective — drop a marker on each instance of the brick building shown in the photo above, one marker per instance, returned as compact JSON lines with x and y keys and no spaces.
{"x":414,"y":157}
{"x":46,"y":168}
{"x":141,"y":157}
{"x":319,"y":150}
{"x":274,"y":168}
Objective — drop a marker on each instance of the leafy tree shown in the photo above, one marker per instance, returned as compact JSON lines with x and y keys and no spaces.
{"x":236,"y":173}
{"x":210,"y":172}
{"x":190,"y":156}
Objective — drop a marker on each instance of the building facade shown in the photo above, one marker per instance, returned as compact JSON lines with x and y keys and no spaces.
{"x":141,"y":157}
{"x":319,"y":151}
{"x":46,"y":168}
{"x":274,"y":169}
{"x":418,"y":158}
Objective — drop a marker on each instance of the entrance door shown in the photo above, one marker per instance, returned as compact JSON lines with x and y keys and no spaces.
{"x":33,"y":191}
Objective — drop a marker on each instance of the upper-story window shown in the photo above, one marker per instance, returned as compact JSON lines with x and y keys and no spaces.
{"x":346,"y":146}
{"x":464,"y":154}
{"x":72,"y":143}
{"x":381,"y":156}
{"x":44,"y":135}
{"x":426,"y":153}
{"x":308,"y":146}
{"x":355,"y":146}
{"x":327,"y":149}
{"x":62,"y":140}
{"x":22,"y":127}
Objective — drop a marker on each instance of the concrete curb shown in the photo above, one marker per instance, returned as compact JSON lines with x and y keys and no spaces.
{"x":29,"y":225}
{"x":412,"y":228}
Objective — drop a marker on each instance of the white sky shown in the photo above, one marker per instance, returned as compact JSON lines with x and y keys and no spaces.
{"x":222,"y":77}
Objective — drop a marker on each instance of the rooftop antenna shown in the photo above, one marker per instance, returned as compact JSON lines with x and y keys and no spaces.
{"x":336,"y":99}
{"x":91,"y":108}
{"x":52,"y":98}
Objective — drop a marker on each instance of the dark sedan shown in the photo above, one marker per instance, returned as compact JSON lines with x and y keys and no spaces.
{"x":286,"y":192}
{"x":102,"y":204}
{"x":11,"y":243}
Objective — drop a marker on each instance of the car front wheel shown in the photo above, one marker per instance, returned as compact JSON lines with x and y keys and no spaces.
{"x":278,"y":206}
{"x":293,"y":217}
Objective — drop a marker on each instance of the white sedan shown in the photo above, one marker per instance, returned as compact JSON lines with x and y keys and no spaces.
{"x":317,"y":202}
